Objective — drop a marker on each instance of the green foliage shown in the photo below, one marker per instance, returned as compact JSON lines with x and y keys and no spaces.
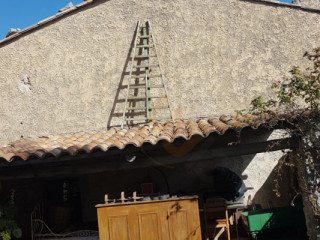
{"x":301,"y":91}
{"x":8,"y":226}
{"x":259,"y":105}
{"x":239,"y":112}
{"x":303,"y":86}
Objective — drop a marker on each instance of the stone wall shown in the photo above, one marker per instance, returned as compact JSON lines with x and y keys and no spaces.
{"x":216,"y":57}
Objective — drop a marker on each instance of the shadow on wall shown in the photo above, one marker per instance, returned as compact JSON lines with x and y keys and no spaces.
{"x":279,"y":186}
{"x":116,"y":114}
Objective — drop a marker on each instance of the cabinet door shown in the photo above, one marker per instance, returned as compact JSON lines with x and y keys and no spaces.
{"x":118,"y":228}
{"x":174,"y":220}
{"x":183,"y":220}
{"x":178,"y":225}
{"x":149,"y":226}
{"x":114,"y":223}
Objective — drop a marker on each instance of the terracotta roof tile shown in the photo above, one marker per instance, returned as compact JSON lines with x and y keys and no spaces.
{"x":218,"y":126}
{"x":194,"y":129}
{"x":153,"y":132}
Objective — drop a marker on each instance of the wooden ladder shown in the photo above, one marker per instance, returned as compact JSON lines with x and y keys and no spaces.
{"x":146,"y":89}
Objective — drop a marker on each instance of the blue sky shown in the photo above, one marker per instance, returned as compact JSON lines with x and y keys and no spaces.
{"x":24,"y":13}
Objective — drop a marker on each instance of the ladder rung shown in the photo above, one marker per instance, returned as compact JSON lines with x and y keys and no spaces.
{"x":140,"y":86}
{"x":156,"y":86}
{"x":136,"y":108}
{"x":145,"y":46}
{"x":146,"y":66}
{"x":145,"y":56}
{"x":134,"y":98}
{"x":163,"y":96}
{"x":161,"y":107}
{"x":144,"y":36}
{"x":144,"y":108}
{"x":144,"y":86}
{"x":148,"y":76}
{"x":136,"y":119}
{"x":144,"y":97}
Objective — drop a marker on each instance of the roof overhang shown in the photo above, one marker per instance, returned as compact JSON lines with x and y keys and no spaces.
{"x":153,"y":144}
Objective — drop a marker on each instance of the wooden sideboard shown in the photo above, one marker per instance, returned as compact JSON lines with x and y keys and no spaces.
{"x":174,"y":219}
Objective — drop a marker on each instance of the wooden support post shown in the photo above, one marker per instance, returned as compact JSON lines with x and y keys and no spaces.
{"x":134,"y":197}
{"x":122,"y":197}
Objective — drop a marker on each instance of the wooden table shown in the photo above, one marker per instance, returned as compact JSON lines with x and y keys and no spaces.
{"x":174,"y":219}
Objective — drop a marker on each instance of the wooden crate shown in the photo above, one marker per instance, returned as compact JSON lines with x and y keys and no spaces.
{"x":174,"y":219}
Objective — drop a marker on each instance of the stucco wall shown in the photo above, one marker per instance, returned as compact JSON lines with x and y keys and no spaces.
{"x":216,"y":56}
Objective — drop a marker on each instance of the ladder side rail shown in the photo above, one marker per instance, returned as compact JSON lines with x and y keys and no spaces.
{"x":131,"y":67}
{"x":147,"y":99}
{"x":164,"y":84}
{"x":147,"y":69}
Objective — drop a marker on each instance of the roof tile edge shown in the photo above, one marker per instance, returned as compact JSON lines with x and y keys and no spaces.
{"x":297,"y":6}
{"x":87,"y":2}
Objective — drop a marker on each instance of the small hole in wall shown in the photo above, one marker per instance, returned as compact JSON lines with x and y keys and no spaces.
{"x":21,"y":136}
{"x":21,"y":123}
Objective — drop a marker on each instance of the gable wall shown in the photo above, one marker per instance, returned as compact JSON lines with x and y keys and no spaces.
{"x":216,"y":56}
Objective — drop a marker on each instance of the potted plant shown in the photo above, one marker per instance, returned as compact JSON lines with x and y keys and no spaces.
{"x":8,"y":226}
